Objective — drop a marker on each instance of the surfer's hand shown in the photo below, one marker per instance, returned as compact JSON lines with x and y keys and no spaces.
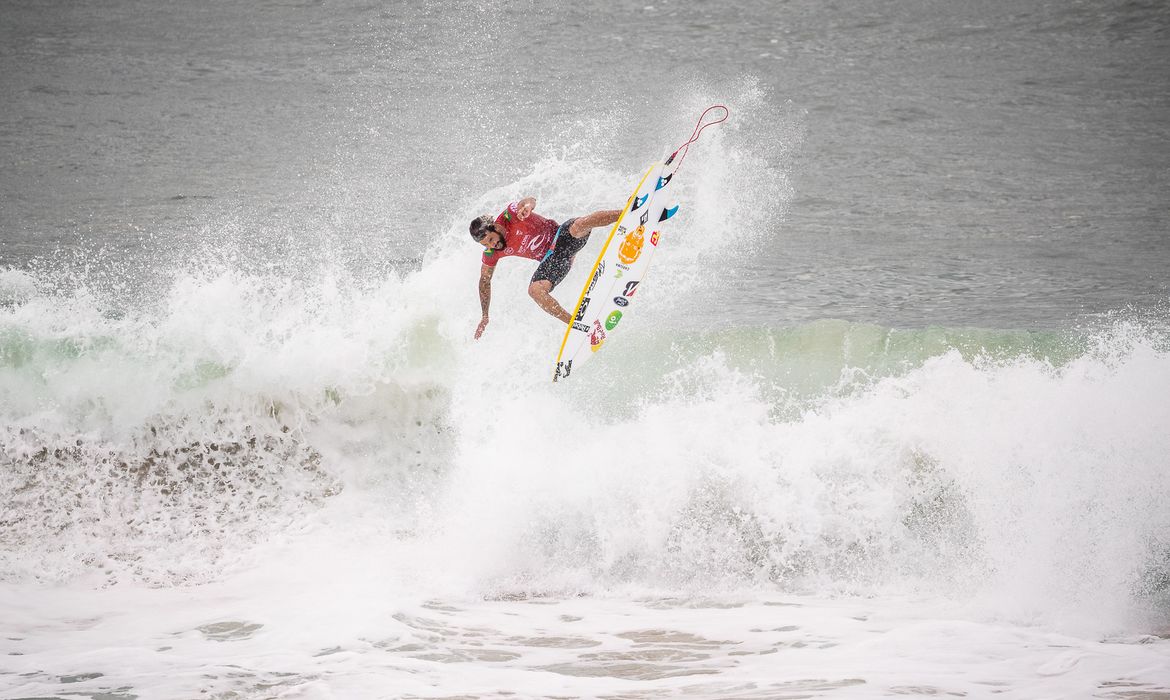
{"x":482,"y":325}
{"x":525,"y":207}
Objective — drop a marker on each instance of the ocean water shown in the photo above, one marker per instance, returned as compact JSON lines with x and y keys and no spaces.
{"x":890,"y":417}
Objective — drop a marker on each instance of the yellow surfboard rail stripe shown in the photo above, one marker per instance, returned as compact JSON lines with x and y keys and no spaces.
{"x":600,"y":256}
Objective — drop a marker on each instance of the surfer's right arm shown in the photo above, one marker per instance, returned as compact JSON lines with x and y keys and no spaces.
{"x":485,"y":296}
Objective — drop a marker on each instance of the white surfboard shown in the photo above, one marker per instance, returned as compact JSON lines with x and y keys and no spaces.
{"x":610,"y":293}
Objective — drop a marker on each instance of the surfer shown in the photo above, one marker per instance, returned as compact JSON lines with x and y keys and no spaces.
{"x":518,"y":230}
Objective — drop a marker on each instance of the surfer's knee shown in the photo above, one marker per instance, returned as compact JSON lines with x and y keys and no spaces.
{"x":539,"y":290}
{"x":582,"y":226}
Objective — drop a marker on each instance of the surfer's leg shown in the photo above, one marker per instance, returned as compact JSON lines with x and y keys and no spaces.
{"x":552,"y":270}
{"x":582,"y":225}
{"x":539,"y":291}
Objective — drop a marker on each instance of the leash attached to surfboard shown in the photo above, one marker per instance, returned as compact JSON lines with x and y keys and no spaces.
{"x":699,"y":126}
{"x":619,"y":269}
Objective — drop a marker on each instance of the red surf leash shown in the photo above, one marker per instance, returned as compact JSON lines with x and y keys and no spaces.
{"x":699,"y":126}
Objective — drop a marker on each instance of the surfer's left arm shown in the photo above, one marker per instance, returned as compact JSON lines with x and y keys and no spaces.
{"x":524,"y":207}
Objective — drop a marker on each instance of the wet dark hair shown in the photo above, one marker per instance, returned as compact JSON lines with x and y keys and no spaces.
{"x":480,"y":226}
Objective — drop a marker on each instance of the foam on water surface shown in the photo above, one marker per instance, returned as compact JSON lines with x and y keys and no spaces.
{"x":170,"y":644}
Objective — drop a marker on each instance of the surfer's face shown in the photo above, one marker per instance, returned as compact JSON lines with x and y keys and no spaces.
{"x":492,"y":240}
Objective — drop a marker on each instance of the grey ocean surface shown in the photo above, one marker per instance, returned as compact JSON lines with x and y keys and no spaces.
{"x":954,"y":163}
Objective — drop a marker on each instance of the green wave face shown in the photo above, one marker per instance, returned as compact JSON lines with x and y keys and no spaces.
{"x":805,"y":363}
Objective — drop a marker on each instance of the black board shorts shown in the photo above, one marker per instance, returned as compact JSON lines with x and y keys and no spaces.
{"x":559,"y":259}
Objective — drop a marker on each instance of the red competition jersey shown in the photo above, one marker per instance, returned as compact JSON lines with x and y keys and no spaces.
{"x":530,"y":238}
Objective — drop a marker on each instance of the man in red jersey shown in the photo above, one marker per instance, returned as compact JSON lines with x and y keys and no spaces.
{"x":518,"y":231}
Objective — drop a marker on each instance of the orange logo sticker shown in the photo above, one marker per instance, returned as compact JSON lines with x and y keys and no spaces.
{"x":632,"y":246}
